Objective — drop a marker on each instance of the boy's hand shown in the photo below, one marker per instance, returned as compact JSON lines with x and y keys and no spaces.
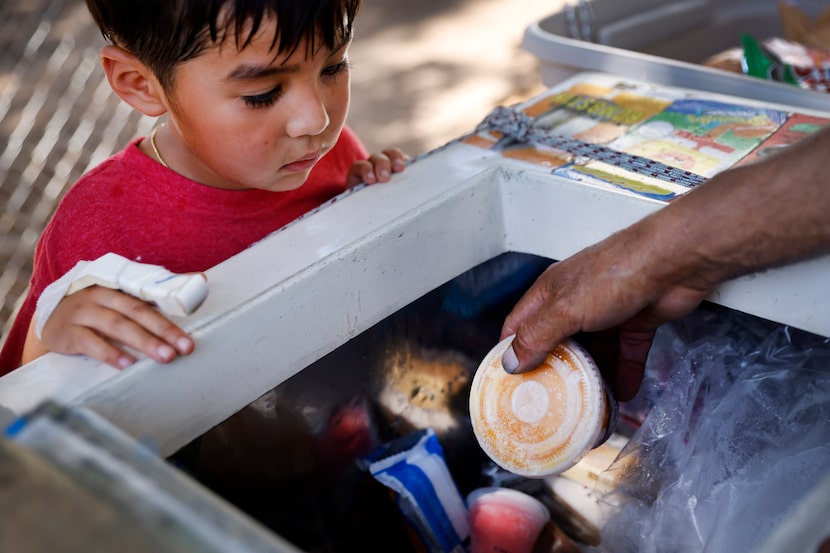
{"x":99,"y":322}
{"x":378,"y":168}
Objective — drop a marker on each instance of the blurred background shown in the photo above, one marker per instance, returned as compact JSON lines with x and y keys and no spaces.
{"x":423,"y":73}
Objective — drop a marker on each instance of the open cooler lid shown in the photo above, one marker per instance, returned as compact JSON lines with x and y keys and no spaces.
{"x":302,"y":292}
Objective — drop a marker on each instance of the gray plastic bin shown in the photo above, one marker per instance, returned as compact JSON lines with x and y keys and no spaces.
{"x":663,"y":42}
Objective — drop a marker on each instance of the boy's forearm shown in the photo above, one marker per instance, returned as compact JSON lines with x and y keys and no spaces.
{"x":32,"y":347}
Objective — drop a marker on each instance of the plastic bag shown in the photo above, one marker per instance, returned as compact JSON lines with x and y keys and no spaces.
{"x":736,"y":435}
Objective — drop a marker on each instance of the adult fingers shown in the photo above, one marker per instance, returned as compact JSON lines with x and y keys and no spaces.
{"x":634,"y":347}
{"x":637,"y":336}
{"x":540,"y":321}
{"x":530,"y":302}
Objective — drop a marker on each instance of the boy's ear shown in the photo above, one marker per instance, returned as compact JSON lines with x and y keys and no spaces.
{"x":133,"y":81}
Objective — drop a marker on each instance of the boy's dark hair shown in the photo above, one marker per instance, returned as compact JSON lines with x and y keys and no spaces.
{"x":164,"y":33}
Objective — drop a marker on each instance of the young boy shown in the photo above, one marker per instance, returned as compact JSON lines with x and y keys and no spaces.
{"x":255,"y":96}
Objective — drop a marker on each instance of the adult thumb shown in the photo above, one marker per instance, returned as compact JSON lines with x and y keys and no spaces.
{"x":523,"y":354}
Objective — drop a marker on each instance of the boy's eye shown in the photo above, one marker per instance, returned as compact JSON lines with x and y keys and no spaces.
{"x":267,"y":99}
{"x":336,"y":69}
{"x":263,"y":100}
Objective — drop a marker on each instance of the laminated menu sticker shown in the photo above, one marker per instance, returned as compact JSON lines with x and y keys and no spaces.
{"x":797,"y":126}
{"x":594,"y":114}
{"x":634,"y":123}
{"x":701,"y":136}
{"x":611,"y":176}
{"x":585,"y":111}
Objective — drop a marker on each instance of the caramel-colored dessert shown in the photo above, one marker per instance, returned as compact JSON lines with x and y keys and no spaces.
{"x":542,"y":422}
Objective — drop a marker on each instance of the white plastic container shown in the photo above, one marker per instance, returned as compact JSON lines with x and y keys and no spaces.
{"x":543,"y":422}
{"x":664,"y":42}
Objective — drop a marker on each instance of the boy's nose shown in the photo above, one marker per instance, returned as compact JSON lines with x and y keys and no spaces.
{"x":309,"y":115}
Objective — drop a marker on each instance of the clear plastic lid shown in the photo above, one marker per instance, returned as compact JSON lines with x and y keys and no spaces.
{"x":540,"y":423}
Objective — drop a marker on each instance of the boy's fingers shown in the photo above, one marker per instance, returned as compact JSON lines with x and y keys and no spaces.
{"x":97,"y":331}
{"x":360,"y":172}
{"x":378,"y":168}
{"x":381,"y":166}
{"x":100,"y":318}
{"x":119,"y":328}
{"x":397,"y":158}
{"x":74,"y":339}
{"x":152,"y":323}
{"x":87,"y":342}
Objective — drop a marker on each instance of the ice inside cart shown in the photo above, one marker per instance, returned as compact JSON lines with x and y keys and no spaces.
{"x":362,"y":323}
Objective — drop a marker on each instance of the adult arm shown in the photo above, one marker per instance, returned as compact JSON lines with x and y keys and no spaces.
{"x":747,"y":219}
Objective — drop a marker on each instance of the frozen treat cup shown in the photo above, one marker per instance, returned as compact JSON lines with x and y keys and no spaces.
{"x":503,"y":520}
{"x":543,"y":422}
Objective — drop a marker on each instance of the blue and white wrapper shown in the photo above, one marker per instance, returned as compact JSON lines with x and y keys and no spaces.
{"x":415,"y":469}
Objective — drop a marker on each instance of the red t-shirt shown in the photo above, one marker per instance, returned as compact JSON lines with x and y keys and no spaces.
{"x":132,"y":206}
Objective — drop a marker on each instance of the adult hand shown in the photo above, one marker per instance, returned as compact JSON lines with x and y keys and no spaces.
{"x":602,"y":292}
{"x":378,"y":168}
{"x":761,"y":215}
{"x":100,"y":322}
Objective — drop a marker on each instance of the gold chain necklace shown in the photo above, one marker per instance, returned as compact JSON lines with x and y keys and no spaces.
{"x":155,"y":148}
